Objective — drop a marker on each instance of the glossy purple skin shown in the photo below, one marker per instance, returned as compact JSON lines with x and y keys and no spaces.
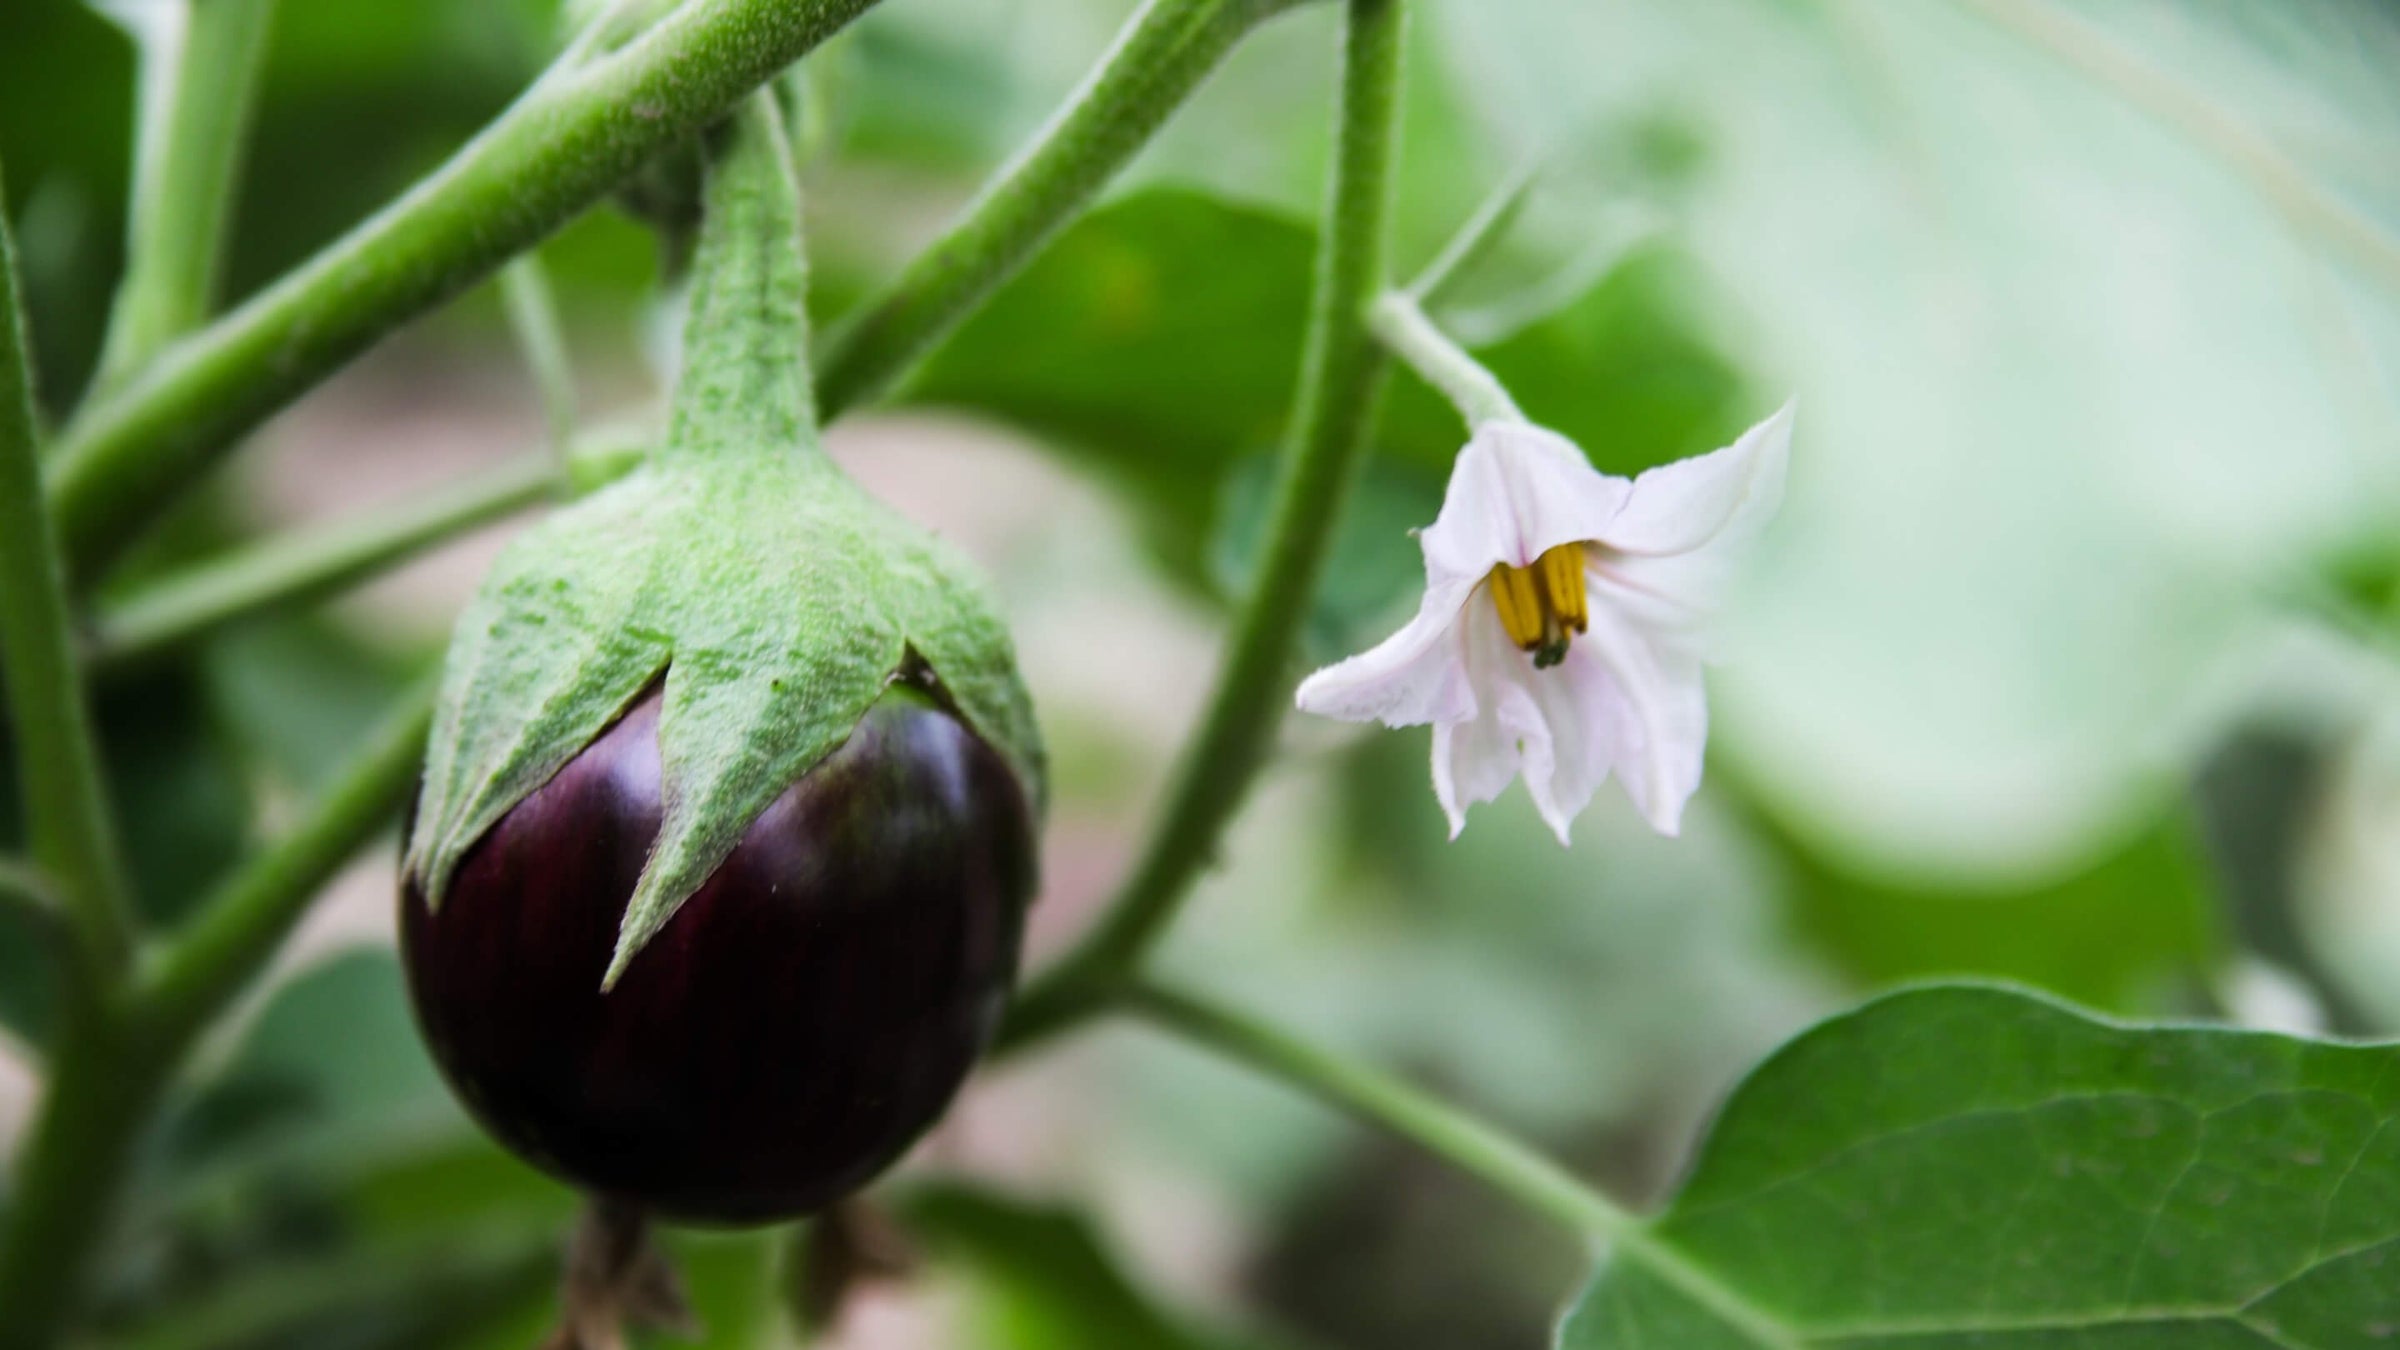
{"x":799,"y":1022}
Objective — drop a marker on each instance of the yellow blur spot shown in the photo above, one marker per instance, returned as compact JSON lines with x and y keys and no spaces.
{"x":1542,"y":607}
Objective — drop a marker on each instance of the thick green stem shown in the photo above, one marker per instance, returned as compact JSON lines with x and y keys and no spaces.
{"x":1402,"y":325}
{"x":533,"y":319}
{"x":114,"y":1054}
{"x":200,"y":63}
{"x":103,"y":1085}
{"x":1159,"y":59}
{"x":287,"y":572}
{"x":58,"y":766}
{"x":241,"y":925}
{"x":1340,"y":376}
{"x":573,"y":135}
{"x":745,"y":386}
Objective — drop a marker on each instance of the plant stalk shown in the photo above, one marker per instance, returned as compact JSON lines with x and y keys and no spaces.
{"x":1403,"y":326}
{"x":117,"y":1049}
{"x":71,"y":837}
{"x":199,"y":62}
{"x":1341,"y":374}
{"x":572,"y":136}
{"x":286,"y":572}
{"x":1160,"y":58}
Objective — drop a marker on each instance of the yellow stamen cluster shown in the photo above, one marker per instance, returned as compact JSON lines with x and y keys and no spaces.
{"x":1542,"y":607}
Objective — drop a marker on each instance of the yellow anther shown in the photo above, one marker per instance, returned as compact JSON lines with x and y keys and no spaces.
{"x":1543,"y":606}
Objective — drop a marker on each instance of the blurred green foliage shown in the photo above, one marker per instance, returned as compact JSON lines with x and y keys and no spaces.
{"x":2079,"y":412}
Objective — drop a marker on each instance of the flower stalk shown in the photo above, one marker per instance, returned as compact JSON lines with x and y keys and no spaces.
{"x":1402,"y":325}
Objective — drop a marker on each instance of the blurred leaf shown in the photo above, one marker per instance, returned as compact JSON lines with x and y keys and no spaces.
{"x":373,"y":1072}
{"x":373,"y":1297}
{"x":1158,"y":342}
{"x":66,"y":135}
{"x":1047,"y":1283}
{"x":732,"y":1281}
{"x":2137,"y":930}
{"x":2083,"y":385}
{"x":1373,"y":568}
{"x":185,"y":809}
{"x":299,"y":694}
{"x":1975,"y":1167}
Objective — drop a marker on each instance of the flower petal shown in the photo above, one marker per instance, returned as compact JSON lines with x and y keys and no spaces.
{"x":1584,"y":709}
{"x":1475,"y":757}
{"x":1515,"y":492}
{"x":1726,"y":493}
{"x":1660,"y":725}
{"x":1416,"y":675}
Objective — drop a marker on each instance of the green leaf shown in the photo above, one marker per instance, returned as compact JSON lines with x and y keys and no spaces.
{"x":1046,"y":1280}
{"x":2132,"y":930}
{"x":1975,"y":1167}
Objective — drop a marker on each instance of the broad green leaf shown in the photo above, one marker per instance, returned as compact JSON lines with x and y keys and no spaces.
{"x":1046,"y":1281}
{"x":1975,"y":1167}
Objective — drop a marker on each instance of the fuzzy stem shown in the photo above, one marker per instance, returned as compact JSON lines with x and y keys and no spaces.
{"x":1162,"y":56}
{"x":1341,"y":374}
{"x":574,"y":134}
{"x":290,"y":571}
{"x":200,"y":63}
{"x":67,"y":822}
{"x":745,"y":387}
{"x":1403,"y":326}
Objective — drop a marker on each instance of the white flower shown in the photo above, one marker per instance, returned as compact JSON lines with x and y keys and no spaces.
{"x":1559,"y":634}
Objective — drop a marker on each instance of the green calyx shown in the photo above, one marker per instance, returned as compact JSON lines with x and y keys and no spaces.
{"x":777,"y":598}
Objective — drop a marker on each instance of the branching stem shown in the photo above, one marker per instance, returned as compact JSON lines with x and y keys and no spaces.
{"x":293,"y":570}
{"x":58,"y":765}
{"x":1341,"y":374}
{"x":574,"y":134}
